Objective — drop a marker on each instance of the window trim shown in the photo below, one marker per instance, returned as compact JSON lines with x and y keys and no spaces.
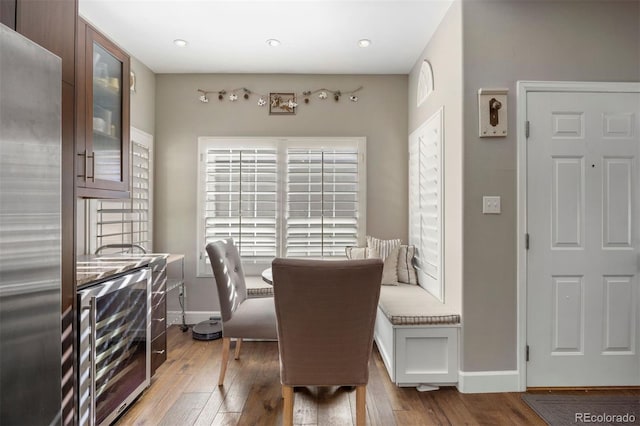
{"x":281,"y":144}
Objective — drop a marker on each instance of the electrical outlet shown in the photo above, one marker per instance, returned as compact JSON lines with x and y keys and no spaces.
{"x":491,"y":205}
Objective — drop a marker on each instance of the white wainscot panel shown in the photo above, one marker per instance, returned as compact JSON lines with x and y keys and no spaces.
{"x":567,"y":202}
{"x":619,"y":308}
{"x":568,"y":315}
{"x":618,"y":125}
{"x":568,"y":125}
{"x":424,"y":356}
{"x":617,"y":202}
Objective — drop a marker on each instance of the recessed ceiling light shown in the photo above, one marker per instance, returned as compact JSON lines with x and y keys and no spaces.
{"x":365,"y":42}
{"x":273,"y":42}
{"x":180,"y":43}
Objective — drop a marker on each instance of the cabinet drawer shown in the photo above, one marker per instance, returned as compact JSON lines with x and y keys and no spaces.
{"x":158,"y":301}
{"x":158,"y":352}
{"x":158,"y":326}
{"x":159,"y":274}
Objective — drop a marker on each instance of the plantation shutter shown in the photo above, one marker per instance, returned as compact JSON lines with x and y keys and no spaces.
{"x":241,"y":200}
{"x":425,"y":202}
{"x":322,"y":201}
{"x":128,"y":221}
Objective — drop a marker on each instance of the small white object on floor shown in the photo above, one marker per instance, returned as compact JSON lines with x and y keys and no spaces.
{"x":425,"y":388}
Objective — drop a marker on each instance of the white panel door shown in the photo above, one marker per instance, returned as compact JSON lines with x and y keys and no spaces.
{"x":582,"y":217}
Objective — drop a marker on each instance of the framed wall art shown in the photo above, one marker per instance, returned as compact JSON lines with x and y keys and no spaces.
{"x":282,"y":103}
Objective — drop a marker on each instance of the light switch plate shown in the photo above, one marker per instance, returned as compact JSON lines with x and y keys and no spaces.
{"x":491,"y":205}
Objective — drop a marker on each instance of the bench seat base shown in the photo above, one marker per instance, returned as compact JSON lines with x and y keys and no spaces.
{"x":418,"y":354}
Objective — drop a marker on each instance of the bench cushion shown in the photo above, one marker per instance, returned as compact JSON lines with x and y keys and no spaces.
{"x":256,"y":287}
{"x":407,"y":304}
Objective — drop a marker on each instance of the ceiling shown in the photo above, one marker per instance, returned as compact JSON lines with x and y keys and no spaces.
{"x":317,"y":36}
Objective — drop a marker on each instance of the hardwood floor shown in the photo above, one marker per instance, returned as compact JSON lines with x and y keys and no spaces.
{"x":184,"y":392}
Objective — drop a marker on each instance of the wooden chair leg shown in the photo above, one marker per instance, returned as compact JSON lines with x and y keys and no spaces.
{"x":361,"y":408}
{"x":287,"y":410}
{"x":226,"y":343}
{"x":238,"y":344}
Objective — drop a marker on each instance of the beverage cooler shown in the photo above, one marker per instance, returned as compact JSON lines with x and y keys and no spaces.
{"x":114,"y":345}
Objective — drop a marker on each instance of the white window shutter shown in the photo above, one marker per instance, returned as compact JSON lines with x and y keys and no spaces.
{"x":425,"y":202}
{"x":127,"y":221}
{"x":287,"y":197}
{"x":241,"y":200}
{"x":322,"y":201}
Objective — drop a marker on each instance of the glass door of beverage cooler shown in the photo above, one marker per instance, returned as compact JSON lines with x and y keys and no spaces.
{"x":115,"y":345}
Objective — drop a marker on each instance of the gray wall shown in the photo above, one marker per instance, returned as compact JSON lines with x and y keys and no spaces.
{"x":143,"y":101}
{"x":444,"y":53}
{"x":528,"y":40}
{"x":380,"y":115}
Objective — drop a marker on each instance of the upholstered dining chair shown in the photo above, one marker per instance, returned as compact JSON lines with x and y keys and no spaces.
{"x":326,"y":312}
{"x":242,"y":317}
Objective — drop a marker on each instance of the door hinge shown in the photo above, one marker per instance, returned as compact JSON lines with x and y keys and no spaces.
{"x":527,"y":353}
{"x":526,"y":241}
{"x":526,"y":128}
{"x":201,"y":157}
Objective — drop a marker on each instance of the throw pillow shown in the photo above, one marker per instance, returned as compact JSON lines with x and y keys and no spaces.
{"x":406,"y":270}
{"x":382,"y":247}
{"x":356,"y":252}
{"x":387,"y":250}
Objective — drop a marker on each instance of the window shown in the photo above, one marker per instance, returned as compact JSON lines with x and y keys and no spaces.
{"x":277,"y":197}
{"x":425,"y":203}
{"x":127,"y":221}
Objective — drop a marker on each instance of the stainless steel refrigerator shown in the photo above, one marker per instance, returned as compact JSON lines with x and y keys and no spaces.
{"x":30,"y":247}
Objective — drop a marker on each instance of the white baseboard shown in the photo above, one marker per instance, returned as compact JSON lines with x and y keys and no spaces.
{"x":488,"y":381}
{"x":190,"y":317}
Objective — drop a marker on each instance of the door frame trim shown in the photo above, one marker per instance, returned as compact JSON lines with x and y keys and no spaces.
{"x":523,"y":89}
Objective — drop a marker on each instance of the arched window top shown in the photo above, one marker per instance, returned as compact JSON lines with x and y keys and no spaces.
{"x":425,"y":82}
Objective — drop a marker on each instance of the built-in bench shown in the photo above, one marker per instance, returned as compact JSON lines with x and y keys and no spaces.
{"x":417,"y":337}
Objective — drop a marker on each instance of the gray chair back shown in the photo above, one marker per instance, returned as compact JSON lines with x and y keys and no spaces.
{"x":325,"y":312}
{"x":229,"y":276}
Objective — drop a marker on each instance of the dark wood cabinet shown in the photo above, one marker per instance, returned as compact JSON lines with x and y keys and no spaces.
{"x":102,"y":116}
{"x":167,"y":276}
{"x":8,"y":13}
{"x":158,"y":315}
{"x":51,"y":24}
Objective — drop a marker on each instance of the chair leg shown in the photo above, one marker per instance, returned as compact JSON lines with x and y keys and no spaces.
{"x":361,"y":408}
{"x":287,"y":410}
{"x":238,"y":344}
{"x":226,"y":343}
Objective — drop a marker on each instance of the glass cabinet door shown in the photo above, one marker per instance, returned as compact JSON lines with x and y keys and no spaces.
{"x":107,"y":114}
